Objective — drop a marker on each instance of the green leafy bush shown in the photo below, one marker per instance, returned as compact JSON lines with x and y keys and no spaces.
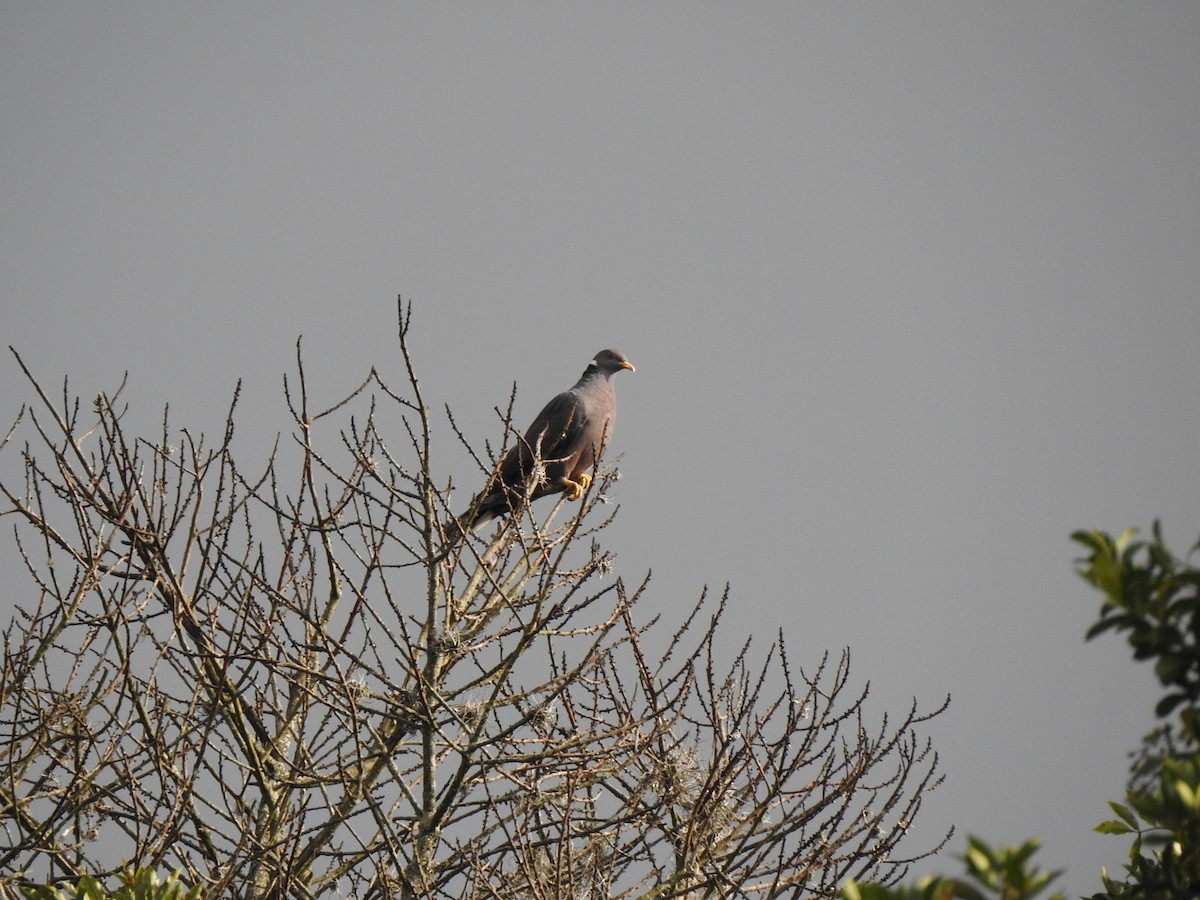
{"x":142,"y":884}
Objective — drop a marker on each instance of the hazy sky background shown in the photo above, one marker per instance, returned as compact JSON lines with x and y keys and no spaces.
{"x":913,"y":290}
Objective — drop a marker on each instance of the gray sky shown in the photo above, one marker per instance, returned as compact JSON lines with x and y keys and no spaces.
{"x":913,"y":290}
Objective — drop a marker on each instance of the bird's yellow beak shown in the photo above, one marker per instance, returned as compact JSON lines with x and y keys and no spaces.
{"x":626,"y":364}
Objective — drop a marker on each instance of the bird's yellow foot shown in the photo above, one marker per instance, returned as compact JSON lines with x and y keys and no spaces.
{"x":574,"y":489}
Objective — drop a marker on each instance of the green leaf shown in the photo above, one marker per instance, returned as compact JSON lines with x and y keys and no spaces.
{"x":1124,"y":540}
{"x":1185,"y":792}
{"x":1170,"y":667}
{"x":1112,"y":826}
{"x":1167,"y":704}
{"x":1104,"y":625}
{"x":1124,"y":812}
{"x":978,"y":860}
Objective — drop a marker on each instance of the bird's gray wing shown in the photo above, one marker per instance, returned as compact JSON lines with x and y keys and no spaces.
{"x":559,"y":427}
{"x":554,"y":434}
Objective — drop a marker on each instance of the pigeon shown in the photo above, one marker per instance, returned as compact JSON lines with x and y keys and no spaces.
{"x":567,"y":438}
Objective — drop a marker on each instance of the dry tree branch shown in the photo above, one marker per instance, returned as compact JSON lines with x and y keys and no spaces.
{"x":282,"y":684}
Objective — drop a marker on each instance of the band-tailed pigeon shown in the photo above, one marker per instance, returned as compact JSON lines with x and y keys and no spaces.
{"x":568,"y":436}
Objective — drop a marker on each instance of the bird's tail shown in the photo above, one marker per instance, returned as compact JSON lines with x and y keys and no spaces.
{"x":460,"y":526}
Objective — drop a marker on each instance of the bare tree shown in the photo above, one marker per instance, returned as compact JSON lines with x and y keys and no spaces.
{"x":283,"y":683}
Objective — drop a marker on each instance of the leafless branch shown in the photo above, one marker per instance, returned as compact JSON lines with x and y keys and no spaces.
{"x":279,"y":681}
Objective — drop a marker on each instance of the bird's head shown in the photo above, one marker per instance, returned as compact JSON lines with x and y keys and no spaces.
{"x":610,"y":361}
